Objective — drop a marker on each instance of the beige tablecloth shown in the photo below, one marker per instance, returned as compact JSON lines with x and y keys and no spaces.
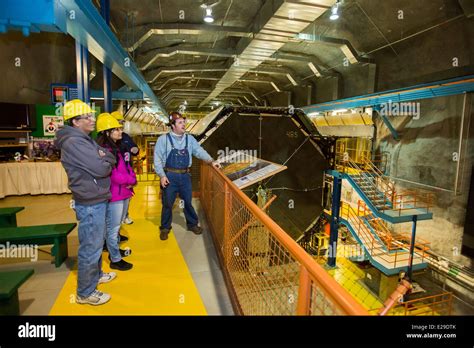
{"x":32,"y":178}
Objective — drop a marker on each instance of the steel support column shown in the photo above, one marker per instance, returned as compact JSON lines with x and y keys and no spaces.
{"x":412,"y":249}
{"x":105,"y":12}
{"x":82,"y":72}
{"x":336,"y":204}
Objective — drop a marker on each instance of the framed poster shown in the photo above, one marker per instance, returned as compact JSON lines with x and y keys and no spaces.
{"x":51,"y":124}
{"x":245,"y":170}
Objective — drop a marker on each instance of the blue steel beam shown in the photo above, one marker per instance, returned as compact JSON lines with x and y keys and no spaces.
{"x":454,"y":86}
{"x":387,"y":122}
{"x":81,"y":20}
{"x":118,"y":95}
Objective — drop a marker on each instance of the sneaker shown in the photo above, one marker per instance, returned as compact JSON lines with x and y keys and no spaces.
{"x":122,"y":238}
{"x":127,"y":221}
{"x":125,"y":252}
{"x":95,"y":299}
{"x":164,"y":233}
{"x":107,"y":277}
{"x":195,"y":229}
{"x":121,"y":265}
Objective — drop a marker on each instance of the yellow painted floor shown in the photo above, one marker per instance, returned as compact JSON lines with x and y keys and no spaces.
{"x":159,"y":283}
{"x":350,"y":276}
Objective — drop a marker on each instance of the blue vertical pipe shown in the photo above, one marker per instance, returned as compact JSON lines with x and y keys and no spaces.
{"x":412,"y":248}
{"x":85,"y":74}
{"x":105,"y":12}
{"x":79,"y":71}
{"x":336,"y":204}
{"x":82,"y":72}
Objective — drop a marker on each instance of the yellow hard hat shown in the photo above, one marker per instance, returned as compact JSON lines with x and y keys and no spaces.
{"x":76,"y":107}
{"x":107,"y":121}
{"x":117,"y":115}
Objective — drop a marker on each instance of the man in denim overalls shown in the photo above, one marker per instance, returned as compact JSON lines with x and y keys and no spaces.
{"x":173,"y":159}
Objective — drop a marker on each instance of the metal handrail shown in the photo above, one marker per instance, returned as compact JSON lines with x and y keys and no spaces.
{"x":439,"y":300}
{"x":393,"y":241}
{"x":309,"y":269}
{"x":385,"y":190}
{"x":362,"y":230}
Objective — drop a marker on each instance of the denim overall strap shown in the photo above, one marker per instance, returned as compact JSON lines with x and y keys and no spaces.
{"x":178,"y":159}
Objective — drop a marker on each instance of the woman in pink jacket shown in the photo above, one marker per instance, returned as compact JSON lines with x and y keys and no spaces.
{"x":122,"y":181}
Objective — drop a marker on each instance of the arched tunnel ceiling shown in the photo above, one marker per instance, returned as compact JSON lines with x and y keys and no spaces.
{"x":149,"y":29}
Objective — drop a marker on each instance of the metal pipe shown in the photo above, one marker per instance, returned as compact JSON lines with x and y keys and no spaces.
{"x":400,"y":291}
{"x":460,"y":147}
{"x":417,"y":183}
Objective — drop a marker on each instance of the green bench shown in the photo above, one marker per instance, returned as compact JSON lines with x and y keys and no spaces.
{"x":40,"y":235}
{"x":9,"y":283}
{"x":8,"y":216}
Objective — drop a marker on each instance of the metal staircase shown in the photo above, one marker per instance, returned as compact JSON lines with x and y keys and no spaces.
{"x":371,"y":181}
{"x":378,"y":191}
{"x":383,"y":249}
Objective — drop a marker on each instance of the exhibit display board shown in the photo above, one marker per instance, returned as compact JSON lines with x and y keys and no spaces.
{"x":245,"y":170}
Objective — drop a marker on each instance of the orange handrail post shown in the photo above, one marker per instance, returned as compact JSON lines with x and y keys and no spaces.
{"x":304,"y":293}
{"x":227,"y":242}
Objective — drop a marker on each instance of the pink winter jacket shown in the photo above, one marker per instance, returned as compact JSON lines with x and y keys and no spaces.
{"x":121,"y":177}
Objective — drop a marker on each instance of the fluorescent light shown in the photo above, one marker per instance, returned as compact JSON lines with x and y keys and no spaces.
{"x":275,"y":86}
{"x":292,"y":80}
{"x":339,"y":111}
{"x":312,"y":114}
{"x":208,"y":18}
{"x":314,"y":69}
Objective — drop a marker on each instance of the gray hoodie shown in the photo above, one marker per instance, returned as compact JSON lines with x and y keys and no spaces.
{"x":87,"y":171}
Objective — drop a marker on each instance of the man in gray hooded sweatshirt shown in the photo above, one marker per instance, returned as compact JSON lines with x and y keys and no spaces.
{"x":88,"y":167}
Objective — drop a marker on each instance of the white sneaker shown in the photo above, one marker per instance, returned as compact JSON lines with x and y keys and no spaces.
{"x":95,"y":299}
{"x":127,"y":221}
{"x":107,"y":277}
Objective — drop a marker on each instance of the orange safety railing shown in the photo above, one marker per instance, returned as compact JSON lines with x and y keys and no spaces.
{"x":407,"y":200}
{"x":440,"y":304}
{"x":267,"y":272}
{"x":392,"y":241}
{"x":392,"y":258}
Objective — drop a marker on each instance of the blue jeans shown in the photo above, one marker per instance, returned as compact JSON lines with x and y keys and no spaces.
{"x":115,"y":214}
{"x":179,"y":183}
{"x":126,"y":204}
{"x":91,"y":233}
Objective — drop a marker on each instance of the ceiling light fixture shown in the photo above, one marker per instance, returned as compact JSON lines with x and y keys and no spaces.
{"x":334,"y":12}
{"x":208,"y":18}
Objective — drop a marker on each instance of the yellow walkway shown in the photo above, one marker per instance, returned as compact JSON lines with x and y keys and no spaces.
{"x":159,"y":283}
{"x":350,"y":277}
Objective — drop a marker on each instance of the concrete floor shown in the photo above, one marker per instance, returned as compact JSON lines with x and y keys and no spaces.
{"x":39,"y":293}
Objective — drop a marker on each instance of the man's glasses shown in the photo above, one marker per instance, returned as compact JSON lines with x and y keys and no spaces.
{"x":89,"y":118}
